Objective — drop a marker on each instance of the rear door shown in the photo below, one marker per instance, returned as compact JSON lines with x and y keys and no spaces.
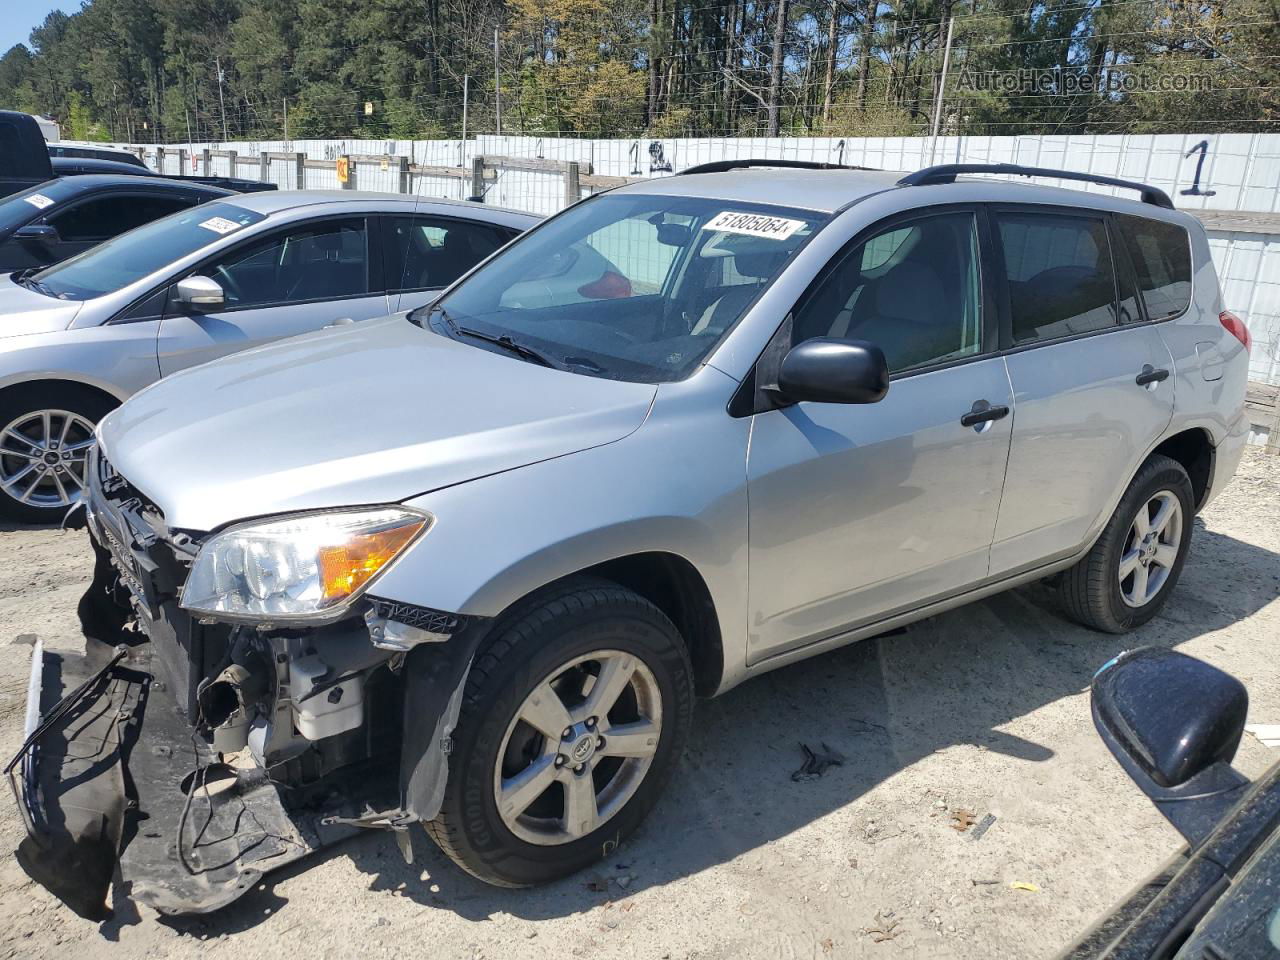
{"x":309,"y":275}
{"x":425,"y":253}
{"x":1090,"y":380}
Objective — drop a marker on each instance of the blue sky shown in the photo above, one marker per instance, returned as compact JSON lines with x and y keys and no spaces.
{"x":21,"y":16}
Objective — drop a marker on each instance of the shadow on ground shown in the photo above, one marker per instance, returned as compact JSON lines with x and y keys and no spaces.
{"x":883,"y":704}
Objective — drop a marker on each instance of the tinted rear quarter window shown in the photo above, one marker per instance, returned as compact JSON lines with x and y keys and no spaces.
{"x":1161,"y":255}
{"x":1061,"y":279}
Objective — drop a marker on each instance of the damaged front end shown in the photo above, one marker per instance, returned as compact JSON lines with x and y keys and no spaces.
{"x":182,"y":758}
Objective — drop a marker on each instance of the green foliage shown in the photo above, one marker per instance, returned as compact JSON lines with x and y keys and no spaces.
{"x":173,"y":70}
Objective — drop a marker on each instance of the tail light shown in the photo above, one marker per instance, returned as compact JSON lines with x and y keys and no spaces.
{"x":1235,"y":326}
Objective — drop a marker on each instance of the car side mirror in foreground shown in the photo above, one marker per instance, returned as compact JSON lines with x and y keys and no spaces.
{"x":831,"y":370}
{"x":37,"y":231}
{"x":1174,"y":723}
{"x":200,"y":294}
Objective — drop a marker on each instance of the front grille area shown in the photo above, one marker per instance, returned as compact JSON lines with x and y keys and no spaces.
{"x":130,"y":528}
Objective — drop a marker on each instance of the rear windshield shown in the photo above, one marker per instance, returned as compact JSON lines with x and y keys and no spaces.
{"x":1161,"y":254}
{"x":21,"y":208}
{"x":131,"y":256}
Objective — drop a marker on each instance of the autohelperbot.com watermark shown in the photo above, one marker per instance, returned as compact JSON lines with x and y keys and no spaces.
{"x":1068,"y":82}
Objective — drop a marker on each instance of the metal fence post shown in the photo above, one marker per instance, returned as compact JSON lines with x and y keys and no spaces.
{"x":300,"y":171}
{"x":160,"y":159}
{"x":402,"y":164}
{"x":264,"y":167}
{"x":572,"y":186}
{"x":477,"y":179}
{"x":182,"y":161}
{"x":232,"y":160}
{"x":208,"y":160}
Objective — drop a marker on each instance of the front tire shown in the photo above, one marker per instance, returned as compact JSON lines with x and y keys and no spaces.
{"x":573,"y":716}
{"x":46,"y":431}
{"x":1127,"y":577}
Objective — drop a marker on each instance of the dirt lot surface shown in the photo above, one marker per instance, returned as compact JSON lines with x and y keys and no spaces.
{"x":980,"y":711}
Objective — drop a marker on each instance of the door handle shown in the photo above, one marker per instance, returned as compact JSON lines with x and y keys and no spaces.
{"x":342,"y":322}
{"x":1150,"y":374}
{"x":983,"y":412}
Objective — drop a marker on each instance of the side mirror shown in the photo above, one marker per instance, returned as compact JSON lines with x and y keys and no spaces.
{"x":200,"y":294}
{"x":1174,"y":723}
{"x":830,"y":370}
{"x":38,"y":231}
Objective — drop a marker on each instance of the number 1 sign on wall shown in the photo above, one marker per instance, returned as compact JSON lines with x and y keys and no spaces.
{"x":1194,"y":190}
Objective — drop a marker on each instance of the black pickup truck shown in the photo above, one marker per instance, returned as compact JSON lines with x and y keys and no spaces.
{"x":25,"y":161}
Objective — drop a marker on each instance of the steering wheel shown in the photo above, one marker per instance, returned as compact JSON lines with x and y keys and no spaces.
{"x":228,"y":284}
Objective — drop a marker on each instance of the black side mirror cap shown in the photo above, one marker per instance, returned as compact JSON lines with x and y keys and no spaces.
{"x":37,"y":231}
{"x":832,"y":370}
{"x":1174,"y":723}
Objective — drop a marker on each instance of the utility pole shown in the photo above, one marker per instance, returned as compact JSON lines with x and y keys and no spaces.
{"x":942,"y":88}
{"x":497,"y":86}
{"x":221,"y":103}
{"x":466,"y":90}
{"x":286,"y":118}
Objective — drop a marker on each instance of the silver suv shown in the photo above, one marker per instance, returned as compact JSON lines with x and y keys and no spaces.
{"x":472,"y":567}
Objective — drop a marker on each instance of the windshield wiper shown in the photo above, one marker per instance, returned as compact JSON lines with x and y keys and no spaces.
{"x":521,"y":350}
{"x":32,"y":284}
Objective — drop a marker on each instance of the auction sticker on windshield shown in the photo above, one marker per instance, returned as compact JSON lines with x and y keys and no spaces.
{"x":39,"y":200}
{"x":753,"y":225}
{"x":220,"y":225}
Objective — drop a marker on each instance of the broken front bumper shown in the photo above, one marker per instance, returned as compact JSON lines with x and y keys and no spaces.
{"x":114,"y":785}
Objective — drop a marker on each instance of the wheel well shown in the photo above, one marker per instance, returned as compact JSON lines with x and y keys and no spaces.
{"x":7,"y":394}
{"x":1194,"y":450}
{"x":674,"y":586}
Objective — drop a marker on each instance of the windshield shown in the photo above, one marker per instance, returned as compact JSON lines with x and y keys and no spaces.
{"x":131,"y":256}
{"x":20,"y":208}
{"x":629,"y":286}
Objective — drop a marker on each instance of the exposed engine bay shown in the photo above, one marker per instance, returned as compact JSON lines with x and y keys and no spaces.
{"x":221,"y":751}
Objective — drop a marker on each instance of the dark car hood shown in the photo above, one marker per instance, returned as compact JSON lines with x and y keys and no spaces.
{"x":371,"y":413}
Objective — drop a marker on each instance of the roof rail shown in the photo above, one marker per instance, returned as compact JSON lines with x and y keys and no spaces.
{"x":947,"y":172}
{"x":720,"y":166}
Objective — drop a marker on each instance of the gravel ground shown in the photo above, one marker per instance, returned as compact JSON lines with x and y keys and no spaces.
{"x":981,"y":711}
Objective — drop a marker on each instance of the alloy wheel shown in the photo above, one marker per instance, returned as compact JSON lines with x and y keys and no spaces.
{"x":42,"y":458}
{"x":1151,"y":549}
{"x":578,"y":747}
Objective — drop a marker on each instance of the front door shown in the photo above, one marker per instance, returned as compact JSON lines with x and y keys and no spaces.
{"x":308,"y":276}
{"x":861,"y":511}
{"x":1090,"y":380}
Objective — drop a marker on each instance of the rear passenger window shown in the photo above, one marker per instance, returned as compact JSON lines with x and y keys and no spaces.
{"x":431,"y":252}
{"x":1161,"y":255}
{"x":1061,"y":280}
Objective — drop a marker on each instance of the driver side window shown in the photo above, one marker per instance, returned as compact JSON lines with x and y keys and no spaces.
{"x":914,"y":290}
{"x":316,"y":261}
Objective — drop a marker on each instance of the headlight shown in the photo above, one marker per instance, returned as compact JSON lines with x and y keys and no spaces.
{"x":302,"y":567}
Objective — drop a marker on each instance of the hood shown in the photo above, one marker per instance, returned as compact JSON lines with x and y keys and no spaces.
{"x":375,"y":412}
{"x":24,"y":311}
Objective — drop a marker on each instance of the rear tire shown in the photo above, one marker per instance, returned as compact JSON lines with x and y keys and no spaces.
{"x":561,"y":641}
{"x":47,"y":431}
{"x":1127,"y":577}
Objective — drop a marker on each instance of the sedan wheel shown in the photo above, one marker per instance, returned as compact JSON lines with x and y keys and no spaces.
{"x":579,"y":748}
{"x":42,"y":458}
